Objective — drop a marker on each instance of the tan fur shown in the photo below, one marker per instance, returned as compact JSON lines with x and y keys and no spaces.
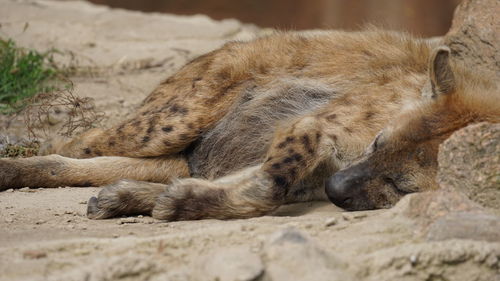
{"x":259,"y":124}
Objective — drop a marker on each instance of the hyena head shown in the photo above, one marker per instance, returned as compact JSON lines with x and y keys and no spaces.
{"x":403,"y":157}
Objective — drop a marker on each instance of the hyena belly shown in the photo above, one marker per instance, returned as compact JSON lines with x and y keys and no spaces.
{"x":242,"y":138}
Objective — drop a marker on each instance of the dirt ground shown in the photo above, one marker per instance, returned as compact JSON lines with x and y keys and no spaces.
{"x":121,"y":56}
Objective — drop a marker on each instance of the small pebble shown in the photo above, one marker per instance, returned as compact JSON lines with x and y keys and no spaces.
{"x":116,"y":235}
{"x":330,"y":222}
{"x":413,"y":260}
{"x":83,"y":202}
{"x":359,"y":215}
{"x":10,"y":190}
{"x":40,"y":222}
{"x":128,"y":220}
{"x":346,"y":217}
{"x":9,"y":220}
{"x":34,"y":254}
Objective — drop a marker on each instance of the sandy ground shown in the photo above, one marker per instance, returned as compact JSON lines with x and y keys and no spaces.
{"x":121,"y":55}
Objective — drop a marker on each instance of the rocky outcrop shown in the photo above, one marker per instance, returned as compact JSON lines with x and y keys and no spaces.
{"x":475,"y":34}
{"x":469,"y":161}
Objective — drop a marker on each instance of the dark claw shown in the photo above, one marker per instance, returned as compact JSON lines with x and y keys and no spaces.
{"x":92,"y":209}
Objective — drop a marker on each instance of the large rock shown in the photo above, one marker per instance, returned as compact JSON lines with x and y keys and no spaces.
{"x":475,"y":34}
{"x":469,"y":161}
{"x":231,"y":264}
{"x":292,"y":255}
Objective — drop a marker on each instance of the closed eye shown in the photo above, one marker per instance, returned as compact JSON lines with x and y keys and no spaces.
{"x":393,"y":184}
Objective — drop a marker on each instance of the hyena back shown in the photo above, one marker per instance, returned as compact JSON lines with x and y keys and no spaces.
{"x":254,"y":125}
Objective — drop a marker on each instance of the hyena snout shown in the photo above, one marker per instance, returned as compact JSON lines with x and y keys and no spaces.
{"x":345,"y":189}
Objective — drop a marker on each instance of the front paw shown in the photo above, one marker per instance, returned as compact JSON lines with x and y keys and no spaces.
{"x":190,"y":200}
{"x":109,"y":202}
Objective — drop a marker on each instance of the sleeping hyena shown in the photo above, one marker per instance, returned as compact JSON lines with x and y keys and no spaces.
{"x":241,"y":130}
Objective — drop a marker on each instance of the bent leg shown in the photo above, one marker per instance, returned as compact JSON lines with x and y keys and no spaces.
{"x":295,"y":153}
{"x":173,"y":115}
{"x":55,"y":170}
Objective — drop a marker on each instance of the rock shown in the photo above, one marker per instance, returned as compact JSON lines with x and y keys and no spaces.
{"x":469,"y":161}
{"x":457,"y":260}
{"x":466,"y":225}
{"x":291,"y":255}
{"x":330,"y":222}
{"x":427,"y":207}
{"x":474,"y":36}
{"x":230,"y":264}
{"x":128,"y":220}
{"x":34,"y":254}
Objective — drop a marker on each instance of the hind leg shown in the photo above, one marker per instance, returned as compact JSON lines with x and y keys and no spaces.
{"x":55,"y":170}
{"x":172,"y":116}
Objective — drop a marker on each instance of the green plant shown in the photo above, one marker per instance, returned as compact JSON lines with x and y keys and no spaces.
{"x":23,"y":74}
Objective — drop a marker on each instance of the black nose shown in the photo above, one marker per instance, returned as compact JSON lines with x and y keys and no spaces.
{"x":342,"y":190}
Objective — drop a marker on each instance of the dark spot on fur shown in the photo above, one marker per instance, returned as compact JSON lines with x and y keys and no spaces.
{"x":167,"y":143}
{"x":150,"y":130}
{"x":174,"y":108}
{"x":297,"y":157}
{"x":120,"y":128}
{"x":347,"y":130}
{"x":136,"y":123}
{"x":333,"y":137}
{"x":111,"y":143}
{"x":369,"y":115}
{"x":276,"y":166}
{"x":87,"y":150}
{"x":183,"y":137}
{"x":367,"y":53}
{"x":167,"y":129}
{"x":53,"y":173}
{"x":193,"y":85}
{"x":286,"y":141}
{"x":190,"y":126}
{"x":331,"y":117}
{"x":193,"y":206}
{"x":224,"y":74}
{"x":169,"y":80}
{"x":287,"y":160}
{"x":263,"y":69}
{"x":280,"y":181}
{"x":291,"y":150}
{"x":98,"y":152}
{"x":307,"y":144}
{"x":179,"y":109}
{"x":146,"y":139}
{"x":293,"y":172}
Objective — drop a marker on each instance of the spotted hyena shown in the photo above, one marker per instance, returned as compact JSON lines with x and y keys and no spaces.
{"x":246,"y":128}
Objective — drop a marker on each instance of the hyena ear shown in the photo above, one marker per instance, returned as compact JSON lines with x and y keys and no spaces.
{"x":441,"y":74}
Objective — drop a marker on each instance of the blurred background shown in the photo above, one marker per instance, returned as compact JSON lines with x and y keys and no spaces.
{"x":420,"y":17}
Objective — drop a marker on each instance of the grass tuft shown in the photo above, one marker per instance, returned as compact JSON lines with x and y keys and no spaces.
{"x":23,"y":74}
